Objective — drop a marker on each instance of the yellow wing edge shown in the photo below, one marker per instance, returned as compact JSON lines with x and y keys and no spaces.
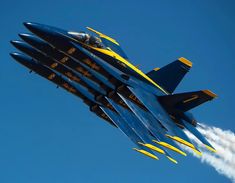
{"x":150,"y":146}
{"x":146,"y":153}
{"x":164,"y":144}
{"x":185,"y":61}
{"x":210,"y":93}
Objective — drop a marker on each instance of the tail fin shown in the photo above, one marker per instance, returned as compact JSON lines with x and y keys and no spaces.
{"x":170,"y":75}
{"x":186,"y":101}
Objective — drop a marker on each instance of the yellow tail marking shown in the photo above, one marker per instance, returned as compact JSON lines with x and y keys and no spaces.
{"x":164,"y":144}
{"x":190,"y":99}
{"x":185,"y":61}
{"x":146,"y":153}
{"x":150,"y":146}
{"x":156,"y":69}
{"x":210,"y":148}
{"x":171,"y":159}
{"x":210,"y":93}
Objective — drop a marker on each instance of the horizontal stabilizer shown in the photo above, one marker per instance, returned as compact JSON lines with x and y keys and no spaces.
{"x":186,"y":101}
{"x":169,"y":76}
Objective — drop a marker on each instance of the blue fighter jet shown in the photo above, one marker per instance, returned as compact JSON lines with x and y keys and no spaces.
{"x":93,"y":67}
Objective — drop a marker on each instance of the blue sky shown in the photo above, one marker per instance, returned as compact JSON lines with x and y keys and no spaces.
{"x":48,"y":136}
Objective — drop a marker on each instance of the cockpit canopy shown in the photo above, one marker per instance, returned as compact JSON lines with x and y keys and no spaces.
{"x":87,"y":39}
{"x":102,"y":41}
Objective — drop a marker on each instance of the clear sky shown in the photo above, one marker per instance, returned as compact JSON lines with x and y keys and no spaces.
{"x":49,"y":136}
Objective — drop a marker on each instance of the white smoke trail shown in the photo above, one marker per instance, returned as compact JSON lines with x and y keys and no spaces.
{"x":224,"y":142}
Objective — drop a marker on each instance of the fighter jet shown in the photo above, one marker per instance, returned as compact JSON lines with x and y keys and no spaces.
{"x":93,"y":67}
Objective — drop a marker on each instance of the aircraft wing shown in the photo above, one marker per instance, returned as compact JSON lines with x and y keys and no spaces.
{"x":174,"y":132}
{"x":100,"y":113}
{"x":110,"y":43}
{"x":128,"y":131}
{"x":154,"y":127}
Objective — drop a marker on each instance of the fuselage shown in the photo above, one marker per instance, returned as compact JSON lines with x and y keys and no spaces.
{"x":118,"y":62}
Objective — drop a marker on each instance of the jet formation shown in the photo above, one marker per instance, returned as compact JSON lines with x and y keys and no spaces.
{"x":93,"y":67}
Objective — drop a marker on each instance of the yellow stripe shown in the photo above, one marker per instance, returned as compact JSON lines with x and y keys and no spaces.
{"x":150,"y":146}
{"x":171,"y":159}
{"x":164,"y":144}
{"x":190,"y":99}
{"x":146,"y":153}
{"x":210,"y":148}
{"x":182,"y":141}
{"x":210,"y":93}
{"x":185,"y":61}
